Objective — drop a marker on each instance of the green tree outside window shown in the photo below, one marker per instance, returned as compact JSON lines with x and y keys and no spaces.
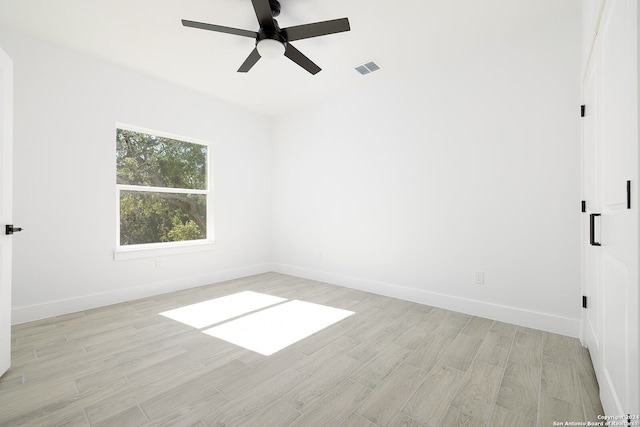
{"x":163,"y":186}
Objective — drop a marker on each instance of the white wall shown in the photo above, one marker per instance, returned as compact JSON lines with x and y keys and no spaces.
{"x":408,"y":187}
{"x":66,"y":107}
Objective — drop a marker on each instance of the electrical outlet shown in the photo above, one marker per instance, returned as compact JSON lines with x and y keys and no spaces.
{"x":478,"y":277}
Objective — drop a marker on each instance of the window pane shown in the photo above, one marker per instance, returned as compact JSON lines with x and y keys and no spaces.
{"x":149,"y":160}
{"x":147,"y":217}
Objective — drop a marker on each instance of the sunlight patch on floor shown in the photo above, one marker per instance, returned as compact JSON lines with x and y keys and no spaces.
{"x":272,"y":329}
{"x":207,"y":313}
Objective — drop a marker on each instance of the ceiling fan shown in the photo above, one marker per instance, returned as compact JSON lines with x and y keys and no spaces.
{"x":271,"y":40}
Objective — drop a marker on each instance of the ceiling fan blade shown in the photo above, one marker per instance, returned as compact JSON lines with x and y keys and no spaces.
{"x":264,"y":14}
{"x":219,"y":28}
{"x":250,"y":61}
{"x":298,"y":57}
{"x":299,"y":32}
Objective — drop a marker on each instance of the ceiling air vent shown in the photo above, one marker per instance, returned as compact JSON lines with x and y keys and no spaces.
{"x":367,"y":68}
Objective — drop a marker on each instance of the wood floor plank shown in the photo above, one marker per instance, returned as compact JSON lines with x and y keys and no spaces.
{"x":85,"y":383}
{"x":276,"y":413}
{"x":374,"y":372}
{"x":244,"y":409}
{"x":552,"y":409}
{"x":132,"y":417}
{"x":477,"y":327}
{"x":25,"y":356}
{"x":561,"y":381}
{"x":355,"y":420}
{"x":505,"y":329}
{"x":461,"y":352}
{"x":477,"y":394}
{"x":134,"y":344}
{"x":315,"y":387}
{"x":353,"y":300}
{"x":368,"y":349}
{"x":55,"y":415}
{"x":456,"y":418}
{"x":589,"y":388}
{"x":64,"y":349}
{"x":503,"y":417}
{"x":429,"y":352}
{"x":260,"y":374}
{"x":348,"y":327}
{"x":181,"y":368}
{"x":531,"y":331}
{"x":90,"y":383}
{"x":403,"y":420}
{"x":18,"y":407}
{"x":439,"y":389}
{"x":398,"y":308}
{"x":365,"y":330}
{"x":519,"y":389}
{"x":11,"y":379}
{"x":176,"y":420}
{"x":65,"y":367}
{"x":186,"y":398}
{"x":36,"y":327}
{"x":558,"y":348}
{"x":145,"y":384}
{"x":335,"y":406}
{"x":64,"y":418}
{"x":495,"y":348}
{"x":43,"y":339}
{"x":315,"y":361}
{"x":457,"y":320}
{"x":416,"y":329}
{"x":452,"y":319}
{"x":527,"y":349}
{"x":385,"y":402}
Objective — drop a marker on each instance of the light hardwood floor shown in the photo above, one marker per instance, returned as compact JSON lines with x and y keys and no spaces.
{"x":392,"y":363}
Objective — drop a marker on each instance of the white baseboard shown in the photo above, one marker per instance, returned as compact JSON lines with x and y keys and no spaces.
{"x":528,"y":318}
{"x":86,"y":302}
{"x":532,"y":319}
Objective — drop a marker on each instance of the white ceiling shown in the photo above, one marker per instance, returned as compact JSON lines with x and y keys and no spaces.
{"x":147,"y":35}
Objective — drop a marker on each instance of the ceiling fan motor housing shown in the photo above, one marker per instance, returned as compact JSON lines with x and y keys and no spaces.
{"x":275,"y":34}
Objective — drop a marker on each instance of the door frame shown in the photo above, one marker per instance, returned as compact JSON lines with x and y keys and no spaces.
{"x":6,"y":197}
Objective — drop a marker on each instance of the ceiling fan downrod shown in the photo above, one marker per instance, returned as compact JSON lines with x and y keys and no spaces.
{"x":275,"y":7}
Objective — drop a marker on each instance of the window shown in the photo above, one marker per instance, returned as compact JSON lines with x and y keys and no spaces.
{"x":163,"y":189}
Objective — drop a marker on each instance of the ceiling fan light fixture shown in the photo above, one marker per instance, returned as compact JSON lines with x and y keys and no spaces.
{"x":270,"y":48}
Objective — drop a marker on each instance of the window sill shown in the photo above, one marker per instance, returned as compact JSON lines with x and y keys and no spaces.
{"x":124,"y":253}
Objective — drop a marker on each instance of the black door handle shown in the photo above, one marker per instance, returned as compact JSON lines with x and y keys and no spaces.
{"x":592,"y":229}
{"x":10,"y":229}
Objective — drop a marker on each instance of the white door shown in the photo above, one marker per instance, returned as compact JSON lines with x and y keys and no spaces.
{"x":6,"y":174}
{"x":610,"y":138}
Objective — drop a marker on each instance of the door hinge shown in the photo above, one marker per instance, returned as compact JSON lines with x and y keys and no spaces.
{"x":582,"y":108}
{"x":584,"y":206}
{"x":584,"y":301}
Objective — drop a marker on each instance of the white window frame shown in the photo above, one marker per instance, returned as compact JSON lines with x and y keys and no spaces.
{"x":165,"y":248}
